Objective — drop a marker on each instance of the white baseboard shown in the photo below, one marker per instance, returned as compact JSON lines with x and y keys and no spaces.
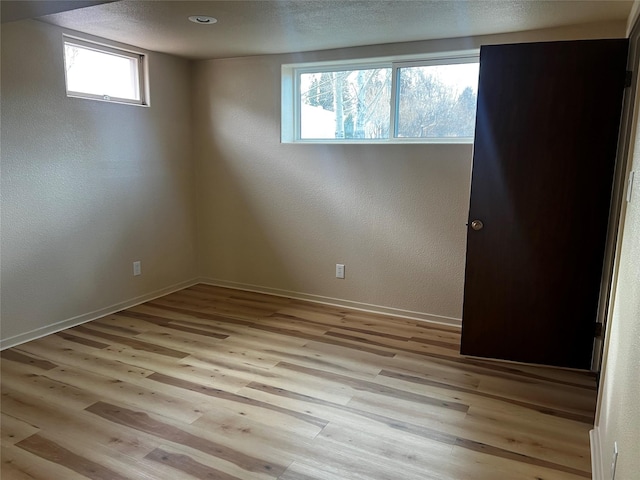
{"x":597,"y":472}
{"x":336,"y":302}
{"x":87,"y":317}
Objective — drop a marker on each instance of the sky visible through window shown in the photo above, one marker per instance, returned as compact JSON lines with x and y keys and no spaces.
{"x":100,"y":73}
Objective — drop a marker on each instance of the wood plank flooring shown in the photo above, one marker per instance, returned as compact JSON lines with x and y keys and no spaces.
{"x":214,"y":383}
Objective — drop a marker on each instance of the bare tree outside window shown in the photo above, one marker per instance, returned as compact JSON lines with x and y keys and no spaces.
{"x":437,"y":101}
{"x":433,"y":101}
{"x":358,"y":99}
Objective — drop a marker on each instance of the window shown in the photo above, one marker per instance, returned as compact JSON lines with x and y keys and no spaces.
{"x":418,"y":101}
{"x":103,"y":73}
{"x":345,"y":104}
{"x":436,"y":101}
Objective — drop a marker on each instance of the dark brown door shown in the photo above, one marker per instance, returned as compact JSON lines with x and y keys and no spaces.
{"x":544,"y":156}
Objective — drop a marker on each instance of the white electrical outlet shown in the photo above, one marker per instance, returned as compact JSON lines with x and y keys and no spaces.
{"x":614,"y":461}
{"x":137,"y":268}
{"x":339,"y":270}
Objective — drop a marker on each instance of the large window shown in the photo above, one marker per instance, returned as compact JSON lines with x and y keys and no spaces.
{"x":419,"y":101}
{"x":103,"y":73}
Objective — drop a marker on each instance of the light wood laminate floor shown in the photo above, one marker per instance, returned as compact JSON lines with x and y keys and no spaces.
{"x":213,"y":383}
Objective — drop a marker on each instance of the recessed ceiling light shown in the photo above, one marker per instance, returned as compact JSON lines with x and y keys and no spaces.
{"x":203,"y":19}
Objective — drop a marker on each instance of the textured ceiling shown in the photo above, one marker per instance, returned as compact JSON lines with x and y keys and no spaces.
{"x":269,"y":26}
{"x":13,"y":10}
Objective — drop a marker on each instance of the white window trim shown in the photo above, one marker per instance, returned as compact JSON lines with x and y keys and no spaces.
{"x":141,"y":71}
{"x":290,"y":94}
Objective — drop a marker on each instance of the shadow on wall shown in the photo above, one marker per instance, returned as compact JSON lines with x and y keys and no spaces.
{"x":300,"y":217}
{"x":282,"y":215}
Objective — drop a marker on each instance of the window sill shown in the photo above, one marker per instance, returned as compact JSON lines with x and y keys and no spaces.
{"x":395,"y":141}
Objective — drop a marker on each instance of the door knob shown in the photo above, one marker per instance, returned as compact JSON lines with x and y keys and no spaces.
{"x":477,"y":225}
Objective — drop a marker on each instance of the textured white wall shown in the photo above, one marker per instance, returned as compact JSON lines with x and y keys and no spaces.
{"x":280,"y":216}
{"x":88,"y":187}
{"x":618,"y":406}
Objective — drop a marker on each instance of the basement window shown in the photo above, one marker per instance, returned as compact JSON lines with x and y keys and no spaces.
{"x":428,"y":100}
{"x":99,"y":72}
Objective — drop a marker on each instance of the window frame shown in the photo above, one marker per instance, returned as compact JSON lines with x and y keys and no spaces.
{"x":291,"y":95}
{"x":141,"y":69}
